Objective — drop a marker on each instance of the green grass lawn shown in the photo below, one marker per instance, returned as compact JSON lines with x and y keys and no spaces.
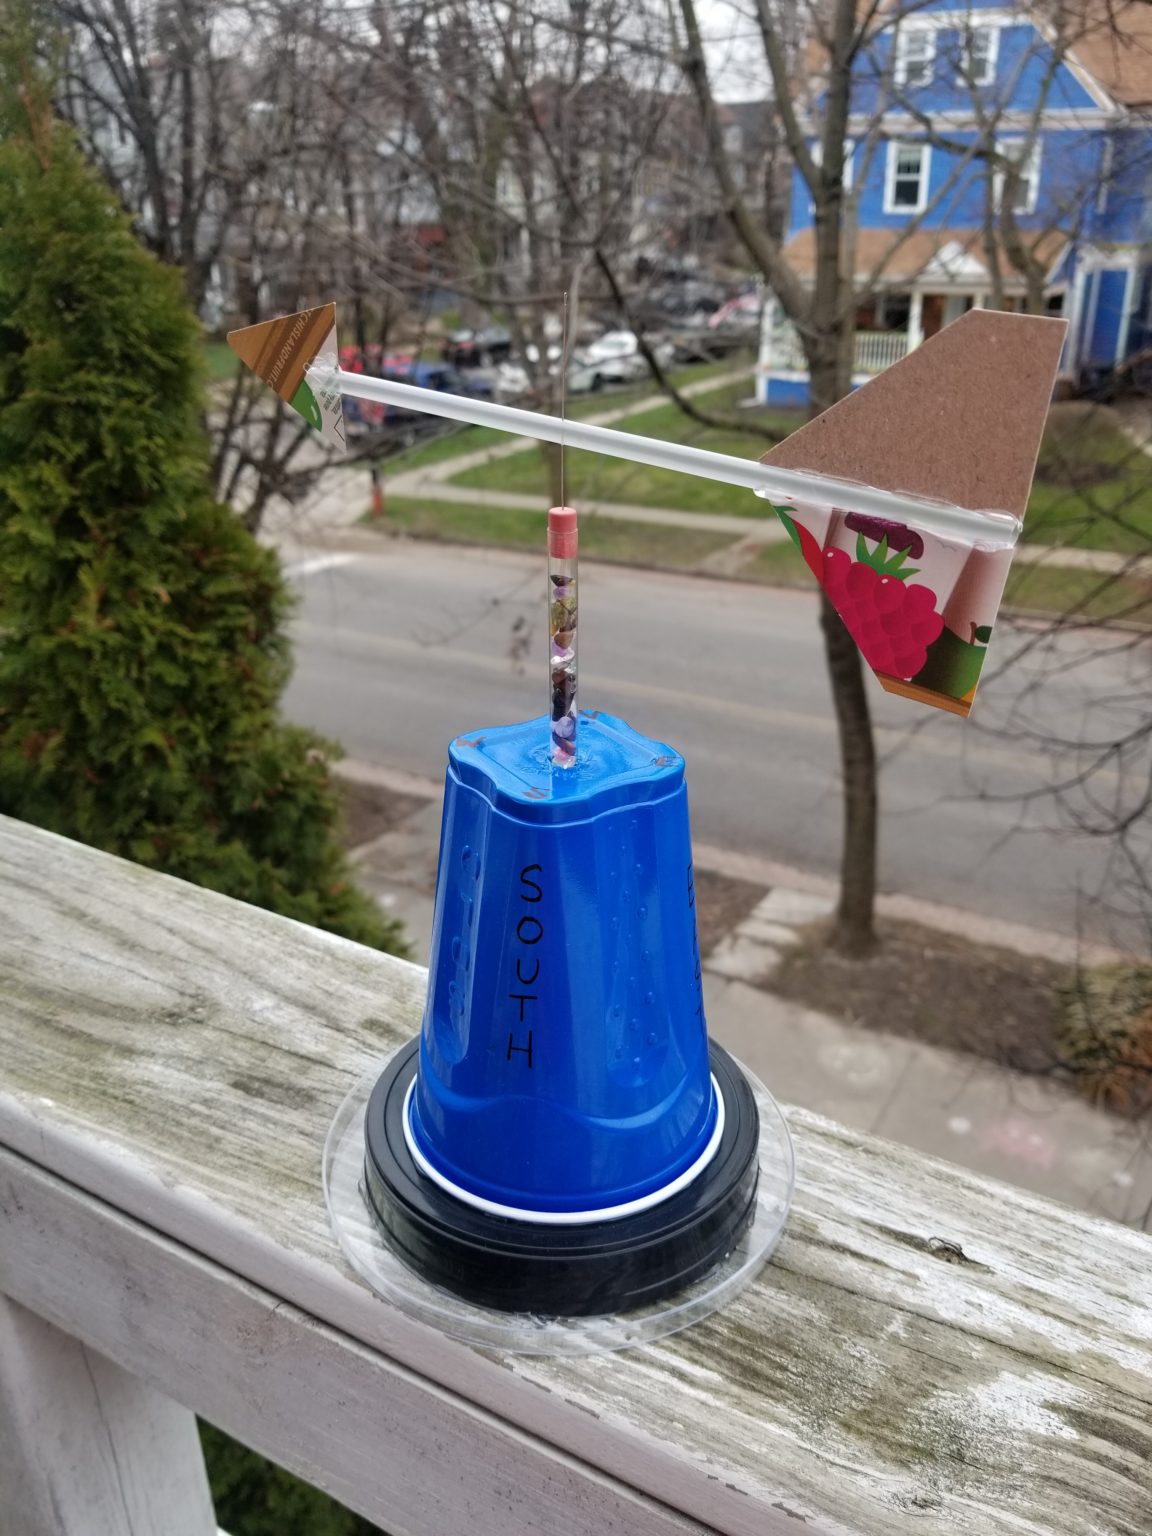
{"x":601,"y":538}
{"x":1080,"y":594}
{"x":592,"y":476}
{"x":1093,"y":484}
{"x":220,"y":362}
{"x":779,"y":565}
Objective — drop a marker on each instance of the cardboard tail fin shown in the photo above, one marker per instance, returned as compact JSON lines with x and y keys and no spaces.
{"x":281,"y":351}
{"x":958,"y":421}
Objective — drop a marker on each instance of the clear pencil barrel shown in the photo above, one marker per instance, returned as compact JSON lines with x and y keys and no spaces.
{"x":562,"y":630}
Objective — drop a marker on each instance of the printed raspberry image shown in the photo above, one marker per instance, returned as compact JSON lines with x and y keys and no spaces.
{"x":893,"y":624}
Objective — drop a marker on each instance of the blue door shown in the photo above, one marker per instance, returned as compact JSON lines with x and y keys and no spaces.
{"x":1105,"y":318}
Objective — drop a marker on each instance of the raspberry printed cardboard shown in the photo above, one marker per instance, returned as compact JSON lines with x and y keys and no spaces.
{"x":281,"y":352}
{"x":958,"y":421}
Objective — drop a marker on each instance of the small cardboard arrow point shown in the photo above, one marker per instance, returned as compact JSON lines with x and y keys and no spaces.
{"x":281,"y":351}
{"x":957,"y":421}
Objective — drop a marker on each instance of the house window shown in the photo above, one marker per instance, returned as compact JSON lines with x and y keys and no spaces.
{"x":1026,"y":158}
{"x":915,"y":57}
{"x":978,"y":49}
{"x":906,"y":177}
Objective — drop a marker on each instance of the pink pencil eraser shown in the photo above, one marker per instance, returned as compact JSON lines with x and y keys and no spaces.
{"x":562,"y":534}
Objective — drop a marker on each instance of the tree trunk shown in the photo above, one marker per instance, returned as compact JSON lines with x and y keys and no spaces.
{"x":828,"y":346}
{"x":854,"y":932}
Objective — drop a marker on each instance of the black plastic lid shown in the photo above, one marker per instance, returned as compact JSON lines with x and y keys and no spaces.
{"x":562,"y":1271}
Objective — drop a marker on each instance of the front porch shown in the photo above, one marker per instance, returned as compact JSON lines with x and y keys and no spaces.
{"x":919,"y":281}
{"x":888,"y":327}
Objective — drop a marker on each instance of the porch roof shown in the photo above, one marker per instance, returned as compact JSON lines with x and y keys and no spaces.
{"x":949,"y":258}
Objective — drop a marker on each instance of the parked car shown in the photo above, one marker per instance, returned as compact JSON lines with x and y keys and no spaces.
{"x":404,"y":369}
{"x":582,"y":374}
{"x":682,"y":303}
{"x":587,"y":373}
{"x":478,"y":349}
{"x":615,"y":358}
{"x":510,"y":380}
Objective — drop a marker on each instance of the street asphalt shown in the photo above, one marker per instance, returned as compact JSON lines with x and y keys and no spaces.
{"x":399,"y":649}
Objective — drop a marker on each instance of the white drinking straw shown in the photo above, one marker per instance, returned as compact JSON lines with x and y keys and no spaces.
{"x":764,"y":479}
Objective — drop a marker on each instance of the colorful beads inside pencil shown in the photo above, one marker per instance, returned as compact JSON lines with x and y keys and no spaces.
{"x":562,"y":620}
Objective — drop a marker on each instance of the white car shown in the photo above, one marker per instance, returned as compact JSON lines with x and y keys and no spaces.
{"x":508,"y":380}
{"x":614,"y":358}
{"x":583,"y":374}
{"x":617,"y":359}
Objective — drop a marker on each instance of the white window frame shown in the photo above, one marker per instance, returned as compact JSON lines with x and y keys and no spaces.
{"x":902,"y":64}
{"x":991,"y":60}
{"x":849,"y":174}
{"x":1032,"y":172}
{"x":1106,"y":161}
{"x":894,"y":148}
{"x":816,"y":150}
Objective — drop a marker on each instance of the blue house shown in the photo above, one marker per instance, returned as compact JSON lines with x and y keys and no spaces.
{"x":990,"y":157}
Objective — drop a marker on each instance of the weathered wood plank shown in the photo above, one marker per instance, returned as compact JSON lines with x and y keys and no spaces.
{"x":180,"y":1057}
{"x":417,"y":1460}
{"x":87,"y":1448}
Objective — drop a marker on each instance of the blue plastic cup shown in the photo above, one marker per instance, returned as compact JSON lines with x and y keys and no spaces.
{"x":564,"y":1055}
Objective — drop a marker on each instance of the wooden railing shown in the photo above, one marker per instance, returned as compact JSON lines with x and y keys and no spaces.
{"x":873,"y":351}
{"x":927,"y":1353}
{"x":876,"y":350}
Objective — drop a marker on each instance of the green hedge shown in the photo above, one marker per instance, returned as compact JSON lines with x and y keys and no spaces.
{"x":142,"y":629}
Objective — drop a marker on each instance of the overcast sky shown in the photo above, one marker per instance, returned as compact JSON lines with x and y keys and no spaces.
{"x":735,"y":57}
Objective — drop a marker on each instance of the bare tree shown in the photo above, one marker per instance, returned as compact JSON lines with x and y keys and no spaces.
{"x":226,"y":134}
{"x":823,"y":316}
{"x":838,"y":90}
{"x":538,"y":139}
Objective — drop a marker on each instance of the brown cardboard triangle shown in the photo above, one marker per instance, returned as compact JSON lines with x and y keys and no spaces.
{"x":279,"y":351}
{"x":959,"y":420}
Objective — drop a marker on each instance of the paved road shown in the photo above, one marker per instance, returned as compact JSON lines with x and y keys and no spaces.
{"x":400,"y":650}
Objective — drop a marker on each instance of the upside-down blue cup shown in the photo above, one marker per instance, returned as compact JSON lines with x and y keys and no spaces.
{"x":564,"y":1057}
{"x":566,"y":1099}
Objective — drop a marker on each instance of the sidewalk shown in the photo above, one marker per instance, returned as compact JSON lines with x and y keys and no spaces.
{"x":1010,"y":1125}
{"x":1108,"y":562}
{"x":429,"y":487}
